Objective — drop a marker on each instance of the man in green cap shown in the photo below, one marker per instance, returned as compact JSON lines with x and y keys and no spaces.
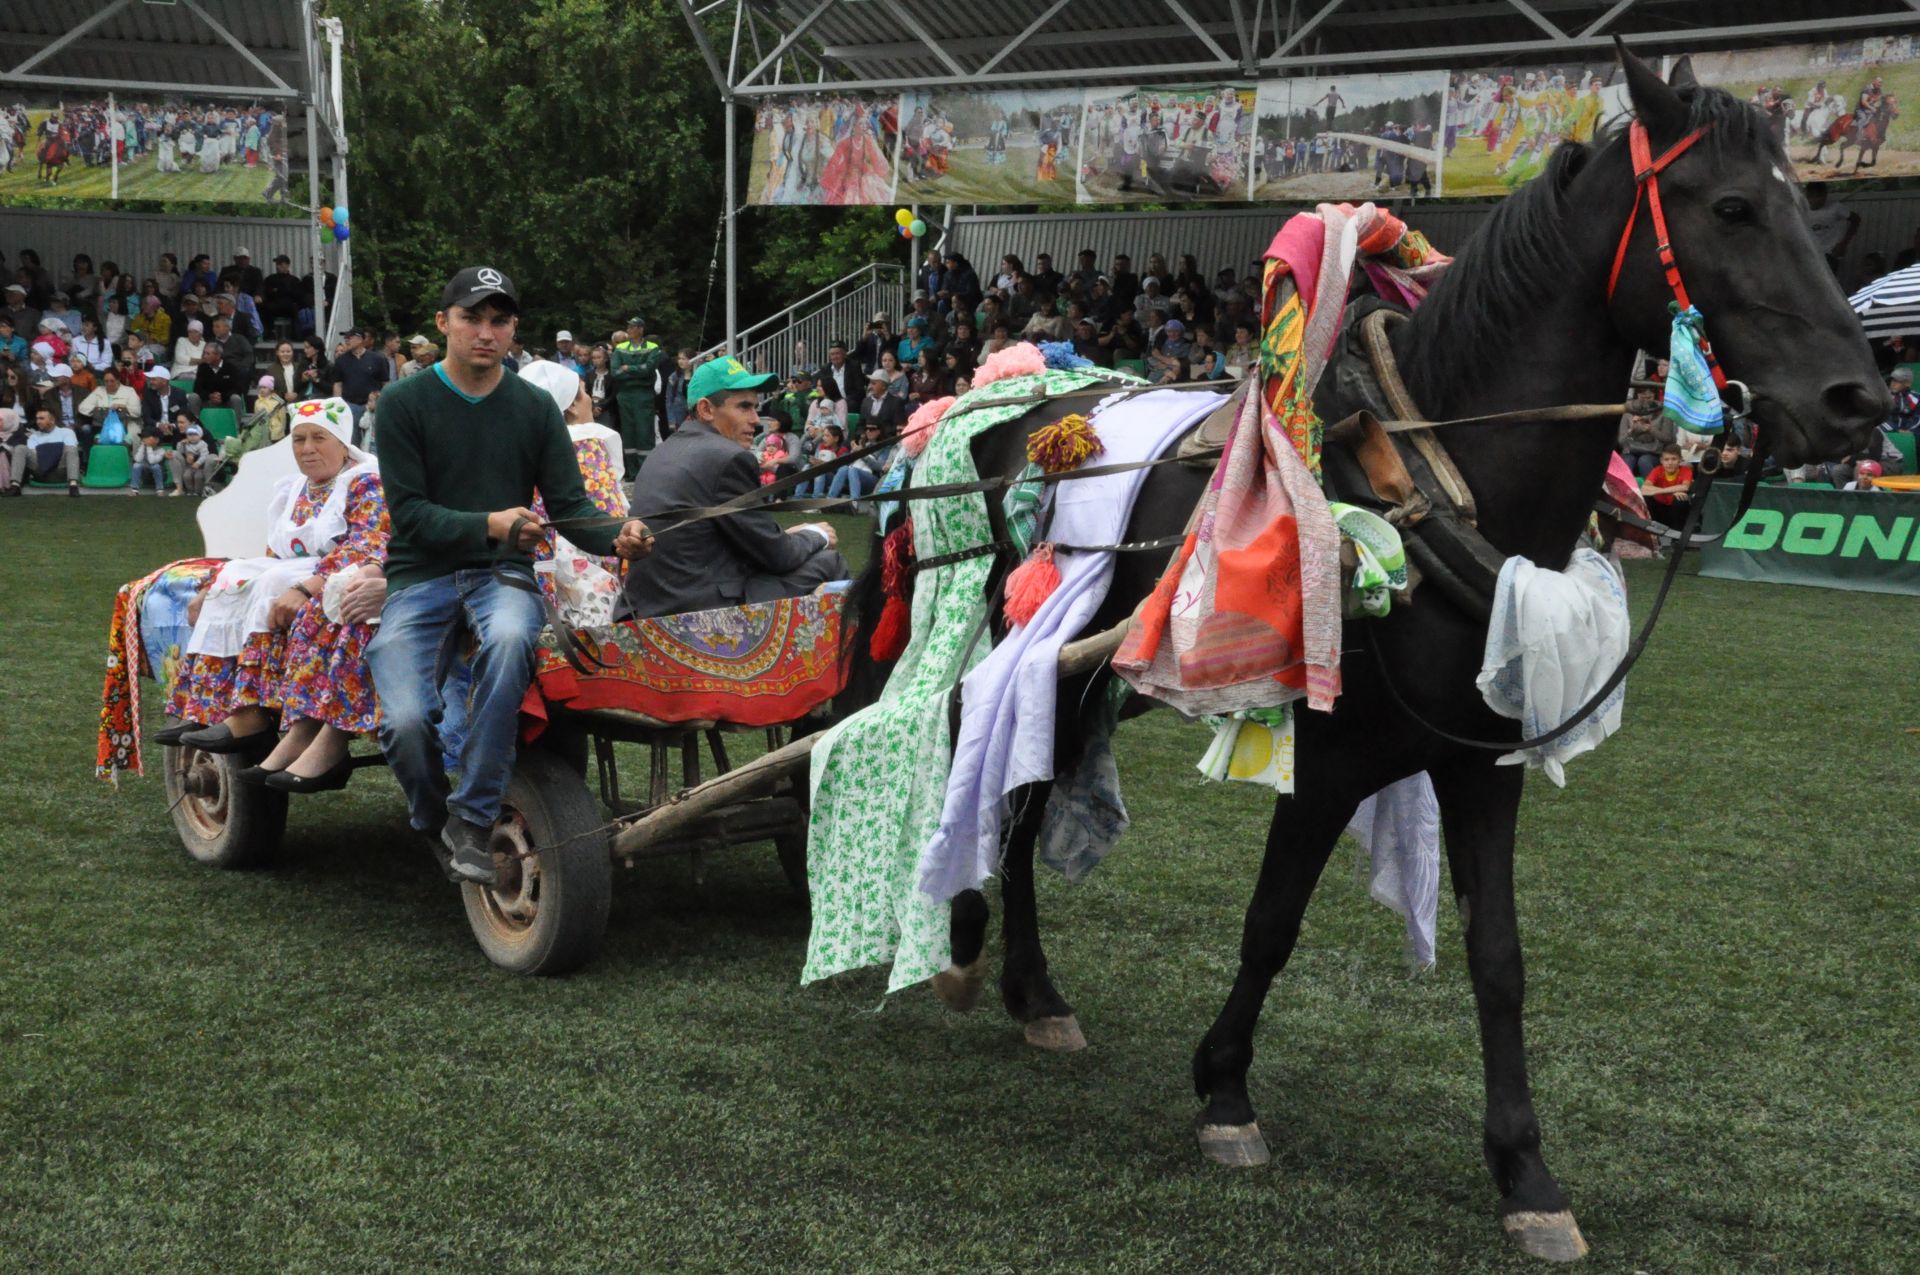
{"x":635,"y":365}
{"x":742,"y":557}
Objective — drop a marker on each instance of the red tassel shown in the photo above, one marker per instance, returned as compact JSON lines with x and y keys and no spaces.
{"x":1030,"y":585}
{"x":889,"y":641}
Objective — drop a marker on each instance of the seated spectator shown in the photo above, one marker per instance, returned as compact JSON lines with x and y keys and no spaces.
{"x":1079,"y":282}
{"x":1905,"y":416}
{"x":792,"y":407}
{"x":17,"y":394}
{"x":1045,"y":278}
{"x":1864,"y":472}
{"x":219,"y":383}
{"x":149,"y":461}
{"x":1668,"y":488}
{"x":84,"y":380}
{"x":1172,"y":372}
{"x":724,"y":561}
{"x":238,"y":310}
{"x":25,"y":317}
{"x":1102,"y":306}
{"x":280,"y":298}
{"x":238,"y":349}
{"x":935,"y":323}
{"x":929,"y":380}
{"x":1732,"y":461}
{"x":878,"y":340}
{"x":12,"y":345}
{"x":1152,"y":308}
{"x":823,"y":411}
{"x":1170,"y":344}
{"x":1207,"y":363}
{"x":194,"y":463}
{"x":161,"y":401}
{"x":316,"y":374}
{"x":284,"y":374}
{"x":153,"y":323}
{"x":54,"y":337}
{"x":882,"y":405}
{"x":89,"y":342}
{"x":831,"y":442}
{"x":50,"y":448}
{"x":64,"y":401}
{"x":1243,"y":356}
{"x":914,"y":342}
{"x":896,"y":375}
{"x":1088,"y":345}
{"x":839,"y":380}
{"x":991,"y":314}
{"x":189,"y":349}
{"x":113,"y":410}
{"x":1644,"y":434}
{"x":863,"y":475}
{"x":62,"y":314}
{"x":1126,"y":338}
{"x":1046,"y":323}
{"x":965,"y":342}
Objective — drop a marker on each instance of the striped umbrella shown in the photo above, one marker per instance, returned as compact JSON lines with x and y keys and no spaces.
{"x":1890,"y":305}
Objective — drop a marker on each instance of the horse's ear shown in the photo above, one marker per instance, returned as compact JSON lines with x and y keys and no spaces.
{"x":1681,"y":76}
{"x":1657,"y":105}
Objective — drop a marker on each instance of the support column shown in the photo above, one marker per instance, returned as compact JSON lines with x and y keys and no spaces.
{"x":732,"y":215}
{"x":319,"y":259}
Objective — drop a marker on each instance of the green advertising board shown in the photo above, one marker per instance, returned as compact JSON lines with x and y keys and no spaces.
{"x":1867,"y":540}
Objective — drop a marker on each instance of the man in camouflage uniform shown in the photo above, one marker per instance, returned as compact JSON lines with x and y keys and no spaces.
{"x":635,"y":364}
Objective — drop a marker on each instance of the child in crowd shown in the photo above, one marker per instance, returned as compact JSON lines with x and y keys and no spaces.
{"x":1667,"y":488}
{"x":833,"y":441}
{"x":773,"y":455}
{"x":194,"y":463}
{"x":149,"y":461}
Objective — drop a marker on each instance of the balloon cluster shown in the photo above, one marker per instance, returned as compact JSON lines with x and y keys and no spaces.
{"x":911,"y":227}
{"x":335,"y":219}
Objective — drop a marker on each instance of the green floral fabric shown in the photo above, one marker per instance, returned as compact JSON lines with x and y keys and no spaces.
{"x":880,"y":777}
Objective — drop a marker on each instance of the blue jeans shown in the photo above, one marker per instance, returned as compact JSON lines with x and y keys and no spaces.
{"x":854,"y":480}
{"x":143,"y":472}
{"x":408,"y":659}
{"x":812,"y":487}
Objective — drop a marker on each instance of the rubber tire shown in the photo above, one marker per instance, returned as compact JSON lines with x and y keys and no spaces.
{"x":256,"y":816}
{"x":576,"y":881}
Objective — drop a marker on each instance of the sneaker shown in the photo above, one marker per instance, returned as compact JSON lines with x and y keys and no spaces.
{"x":176,"y":492}
{"x":472,"y":859}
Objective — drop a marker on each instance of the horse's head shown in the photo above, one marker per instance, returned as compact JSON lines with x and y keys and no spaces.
{"x":1737,"y":224}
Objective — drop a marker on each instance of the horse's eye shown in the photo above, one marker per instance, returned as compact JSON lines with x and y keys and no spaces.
{"x":1733,"y":211}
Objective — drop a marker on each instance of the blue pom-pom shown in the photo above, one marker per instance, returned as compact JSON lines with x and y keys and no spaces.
{"x":1061,"y":358}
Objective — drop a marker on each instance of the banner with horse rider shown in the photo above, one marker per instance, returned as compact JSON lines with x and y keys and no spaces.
{"x":1190,"y":144}
{"x":1504,"y":123}
{"x":1835,"y":107}
{"x":131,"y":147}
{"x":1349,"y":139}
{"x":830,"y":148}
{"x":989,"y":148}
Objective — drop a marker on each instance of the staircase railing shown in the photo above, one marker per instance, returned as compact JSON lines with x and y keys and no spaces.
{"x":800,"y":334}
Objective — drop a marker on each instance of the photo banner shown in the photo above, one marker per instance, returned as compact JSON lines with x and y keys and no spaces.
{"x":1190,"y":144}
{"x":988,"y":148}
{"x":1504,"y":123}
{"x":1364,"y":137}
{"x":232,"y":151}
{"x":1835,"y":107}
{"x":824,"y":149}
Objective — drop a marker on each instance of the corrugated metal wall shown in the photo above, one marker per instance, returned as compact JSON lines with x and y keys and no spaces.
{"x":136,"y":240}
{"x":1889,"y":221}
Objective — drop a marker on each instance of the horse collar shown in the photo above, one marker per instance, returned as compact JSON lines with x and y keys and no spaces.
{"x":1646,"y":182}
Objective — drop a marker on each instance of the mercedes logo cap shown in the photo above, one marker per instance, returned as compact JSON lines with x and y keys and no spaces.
{"x":476,"y":284}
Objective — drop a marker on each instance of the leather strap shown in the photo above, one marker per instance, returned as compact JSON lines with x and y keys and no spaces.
{"x":1646,"y":178}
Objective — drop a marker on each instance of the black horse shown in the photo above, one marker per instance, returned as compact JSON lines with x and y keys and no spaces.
{"x":1523,"y":319}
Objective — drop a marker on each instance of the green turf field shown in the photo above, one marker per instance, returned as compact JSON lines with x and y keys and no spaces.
{"x":140,"y":179}
{"x":311,"y":1069}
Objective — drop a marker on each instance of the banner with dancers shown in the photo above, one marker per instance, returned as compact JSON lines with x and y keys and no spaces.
{"x":89,"y":148}
{"x":989,"y":148}
{"x":1191,"y":144}
{"x":1349,"y":139}
{"x":833,"y":148}
{"x":1835,"y":107}
{"x":1503,"y":123}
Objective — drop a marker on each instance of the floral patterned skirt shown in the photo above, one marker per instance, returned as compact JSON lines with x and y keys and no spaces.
{"x":212,"y":687}
{"x":324,"y":673}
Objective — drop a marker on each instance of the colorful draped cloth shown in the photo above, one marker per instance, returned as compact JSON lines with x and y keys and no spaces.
{"x":1248,"y":612}
{"x":759,"y":664}
{"x":148,"y":630}
{"x":880,"y":777}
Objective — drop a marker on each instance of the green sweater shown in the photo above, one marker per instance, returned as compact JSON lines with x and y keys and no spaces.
{"x":447,"y":461}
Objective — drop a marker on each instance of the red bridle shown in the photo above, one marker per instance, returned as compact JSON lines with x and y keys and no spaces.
{"x":1646,"y":180}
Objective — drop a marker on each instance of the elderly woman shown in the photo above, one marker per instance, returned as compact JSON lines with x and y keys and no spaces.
{"x":250,"y":652}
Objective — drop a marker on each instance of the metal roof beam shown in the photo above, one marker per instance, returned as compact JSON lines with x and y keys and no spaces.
{"x":1304,"y":30}
{"x":1602,"y":22}
{"x":193,"y":7}
{"x":1200,"y":32}
{"x":1046,"y":16}
{"x":895,"y":50}
{"x":906,"y":19}
{"x":705,"y":45}
{"x":787,"y":41}
{"x":1533,"y":15}
{"x":1118,"y":74}
{"x":68,"y":37}
{"x":151,"y":86}
{"x":145,"y":48}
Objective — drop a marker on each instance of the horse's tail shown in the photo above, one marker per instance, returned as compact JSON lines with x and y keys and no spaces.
{"x":865,"y":676}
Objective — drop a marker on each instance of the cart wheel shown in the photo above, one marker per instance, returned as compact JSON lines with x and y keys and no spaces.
{"x":549,"y":911}
{"x":222,"y":822}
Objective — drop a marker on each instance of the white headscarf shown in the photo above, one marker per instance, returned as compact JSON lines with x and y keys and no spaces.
{"x":562,"y":383}
{"x":332,"y":415}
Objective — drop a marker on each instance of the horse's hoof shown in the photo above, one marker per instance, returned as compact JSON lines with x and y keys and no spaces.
{"x":1238,"y":1146}
{"x":1062,"y":1035}
{"x":958,"y":986}
{"x":1551,"y":1237}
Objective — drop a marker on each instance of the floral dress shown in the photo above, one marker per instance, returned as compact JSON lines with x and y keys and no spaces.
{"x":323,"y":674}
{"x":210,"y":688}
{"x":583,"y":586}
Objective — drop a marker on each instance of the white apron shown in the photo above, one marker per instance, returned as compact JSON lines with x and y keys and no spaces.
{"x":243,"y":590}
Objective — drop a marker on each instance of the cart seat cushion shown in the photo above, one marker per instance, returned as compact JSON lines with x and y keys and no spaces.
{"x":760,"y":664}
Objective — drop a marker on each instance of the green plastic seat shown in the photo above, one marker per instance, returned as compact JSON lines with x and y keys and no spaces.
{"x":853,"y":420}
{"x":1815,"y":486}
{"x":1907,"y":445}
{"x":1136,"y":366}
{"x":184,"y":384}
{"x":108,"y":465}
{"x":219,"y":422}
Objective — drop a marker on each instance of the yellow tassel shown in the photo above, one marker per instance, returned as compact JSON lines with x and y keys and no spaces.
{"x":1064,"y":445}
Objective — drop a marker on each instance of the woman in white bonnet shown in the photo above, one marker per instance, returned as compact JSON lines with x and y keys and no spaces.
{"x":262,"y":638}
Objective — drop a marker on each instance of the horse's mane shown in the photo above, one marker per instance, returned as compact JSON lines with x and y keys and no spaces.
{"x":1522,"y":251}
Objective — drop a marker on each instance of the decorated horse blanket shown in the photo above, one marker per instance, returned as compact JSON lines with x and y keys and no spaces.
{"x":759,"y":664}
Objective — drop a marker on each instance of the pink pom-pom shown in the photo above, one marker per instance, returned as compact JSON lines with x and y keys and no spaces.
{"x":1021,"y":359}
{"x":921,"y":424}
{"x":1030,"y":585}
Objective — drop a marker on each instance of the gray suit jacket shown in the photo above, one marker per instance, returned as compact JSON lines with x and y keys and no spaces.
{"x":707,"y":564}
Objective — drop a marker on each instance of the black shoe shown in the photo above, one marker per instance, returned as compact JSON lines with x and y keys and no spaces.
{"x":472,"y":860}
{"x":73,"y":489}
{"x":255,"y":775}
{"x":333,"y":779}
{"x":221,"y":739}
{"x":169,"y":736}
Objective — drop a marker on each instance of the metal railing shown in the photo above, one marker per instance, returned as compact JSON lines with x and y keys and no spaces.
{"x":800,"y":334}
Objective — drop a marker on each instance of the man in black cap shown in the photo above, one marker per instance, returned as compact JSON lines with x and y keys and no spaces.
{"x":462,"y":448}
{"x":282,"y":301}
{"x":634,"y":366}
